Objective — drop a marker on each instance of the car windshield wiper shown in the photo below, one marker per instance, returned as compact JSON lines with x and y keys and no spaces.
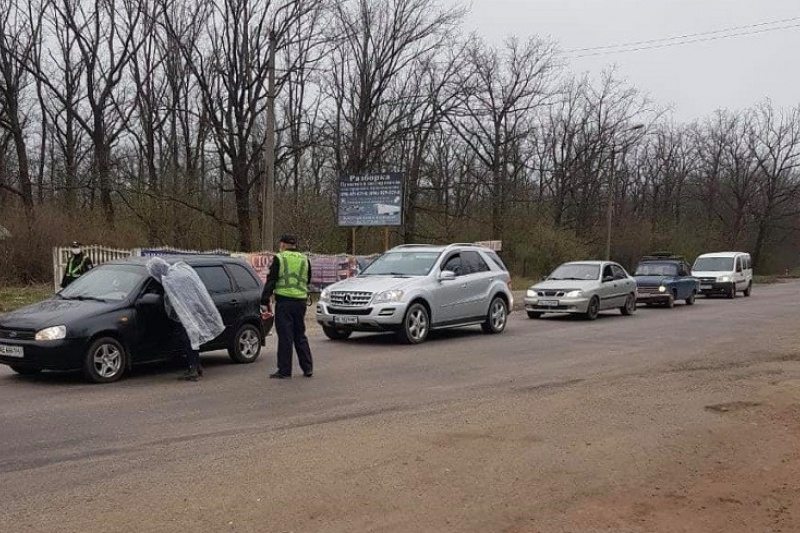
{"x":84,"y":298}
{"x":572,"y":279}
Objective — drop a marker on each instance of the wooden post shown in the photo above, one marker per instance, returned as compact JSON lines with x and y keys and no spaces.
{"x":385,"y":239}
{"x":354,"y":240}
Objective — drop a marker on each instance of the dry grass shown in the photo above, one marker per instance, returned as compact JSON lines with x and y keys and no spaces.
{"x":15,"y":297}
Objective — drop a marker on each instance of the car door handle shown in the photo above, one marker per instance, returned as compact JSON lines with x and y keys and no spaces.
{"x":234,"y":302}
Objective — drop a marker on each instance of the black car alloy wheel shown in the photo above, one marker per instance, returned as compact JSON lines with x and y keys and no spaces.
{"x":246,"y":345}
{"x":105,"y":361}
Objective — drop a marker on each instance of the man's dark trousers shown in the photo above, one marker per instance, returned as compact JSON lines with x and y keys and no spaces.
{"x":290,"y":323}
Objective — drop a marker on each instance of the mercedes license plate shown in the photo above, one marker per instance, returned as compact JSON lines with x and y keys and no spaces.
{"x":548,"y":303}
{"x":11,"y":351}
{"x":339,"y":319}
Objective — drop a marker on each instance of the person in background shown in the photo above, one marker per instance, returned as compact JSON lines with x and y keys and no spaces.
{"x":288,"y":279}
{"x":78,"y":264}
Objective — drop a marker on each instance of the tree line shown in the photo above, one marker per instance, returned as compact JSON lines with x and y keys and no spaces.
{"x":142,"y":122}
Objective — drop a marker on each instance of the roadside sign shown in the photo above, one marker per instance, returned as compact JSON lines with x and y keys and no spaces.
{"x":496,"y":246}
{"x":371,"y":200}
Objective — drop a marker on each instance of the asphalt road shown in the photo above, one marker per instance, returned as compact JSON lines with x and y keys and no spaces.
{"x":351,"y":449}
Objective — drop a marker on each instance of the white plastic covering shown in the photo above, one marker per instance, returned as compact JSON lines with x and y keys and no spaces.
{"x":189,"y":300}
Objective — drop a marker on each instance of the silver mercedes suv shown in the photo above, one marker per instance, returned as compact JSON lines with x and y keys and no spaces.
{"x":414,"y":288}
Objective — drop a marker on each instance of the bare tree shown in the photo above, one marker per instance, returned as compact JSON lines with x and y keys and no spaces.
{"x":775,"y":145}
{"x":506,"y":87}
{"x":229,"y":61}
{"x":20,"y":36}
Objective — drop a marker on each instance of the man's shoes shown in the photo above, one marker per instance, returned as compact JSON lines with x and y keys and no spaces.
{"x":193,"y":374}
{"x":308,"y":374}
{"x":278,"y":375}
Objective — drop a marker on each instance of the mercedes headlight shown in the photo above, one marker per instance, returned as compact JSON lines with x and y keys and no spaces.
{"x":574,"y":294}
{"x":662,"y":289}
{"x":325,"y":296}
{"x":388,"y":296}
{"x":54,"y":333}
{"x":724,"y":279}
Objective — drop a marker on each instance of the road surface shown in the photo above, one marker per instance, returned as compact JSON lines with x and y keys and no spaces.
{"x":683,"y":419}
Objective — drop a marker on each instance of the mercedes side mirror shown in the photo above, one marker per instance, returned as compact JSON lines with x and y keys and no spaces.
{"x":447,"y":275}
{"x":608,"y":278}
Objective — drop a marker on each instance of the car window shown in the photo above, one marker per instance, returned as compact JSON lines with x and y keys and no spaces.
{"x":402,"y":263}
{"x":576,"y":271}
{"x":657,"y":269}
{"x":105,"y":282}
{"x":244,"y":279}
{"x":619,"y":272}
{"x":453,"y":264}
{"x":496,"y":259}
{"x":607,"y":273}
{"x":473,"y":263}
{"x":215,"y":279}
{"x":713,"y":264}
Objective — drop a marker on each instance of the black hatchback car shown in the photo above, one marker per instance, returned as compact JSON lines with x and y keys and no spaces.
{"x":113,"y":317}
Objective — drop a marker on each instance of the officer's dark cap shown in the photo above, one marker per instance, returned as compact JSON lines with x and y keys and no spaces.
{"x":76,"y":244}
{"x":289,"y":239}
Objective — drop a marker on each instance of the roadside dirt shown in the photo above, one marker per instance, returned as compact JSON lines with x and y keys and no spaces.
{"x":709,"y":448}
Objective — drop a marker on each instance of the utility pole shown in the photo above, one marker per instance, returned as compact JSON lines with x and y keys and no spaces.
{"x":610,"y":207}
{"x":612,"y":182}
{"x":268,"y":187}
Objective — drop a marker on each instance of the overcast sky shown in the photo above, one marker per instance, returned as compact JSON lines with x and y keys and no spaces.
{"x":695,"y":78}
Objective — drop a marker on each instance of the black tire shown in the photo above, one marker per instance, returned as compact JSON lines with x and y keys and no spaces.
{"x":496,"y":317}
{"x":593,"y":309}
{"x":416,"y":325}
{"x":336,"y":334}
{"x":106,"y":361}
{"x":690,"y":299}
{"x":534,"y":315}
{"x":732,"y":292}
{"x":245,"y":346}
{"x":630,"y":305}
{"x":670,"y":303}
{"x":748,"y":290}
{"x":26,"y":370}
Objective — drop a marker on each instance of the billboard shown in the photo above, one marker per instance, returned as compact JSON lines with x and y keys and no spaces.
{"x":371,"y":199}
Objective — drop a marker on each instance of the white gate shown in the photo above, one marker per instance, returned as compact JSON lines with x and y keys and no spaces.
{"x":98,"y":255}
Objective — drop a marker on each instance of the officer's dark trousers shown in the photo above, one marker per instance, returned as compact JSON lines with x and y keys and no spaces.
{"x":290,"y":324}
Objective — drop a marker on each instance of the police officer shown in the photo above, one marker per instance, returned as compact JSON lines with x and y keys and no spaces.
{"x":288,"y":279}
{"x":78,"y":264}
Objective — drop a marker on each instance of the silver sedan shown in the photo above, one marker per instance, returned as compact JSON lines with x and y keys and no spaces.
{"x":583,"y":287}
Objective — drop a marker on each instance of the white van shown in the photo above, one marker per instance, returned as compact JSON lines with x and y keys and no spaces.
{"x":724,"y":273}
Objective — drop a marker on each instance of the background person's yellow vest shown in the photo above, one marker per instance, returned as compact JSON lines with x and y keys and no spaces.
{"x":293,"y":275}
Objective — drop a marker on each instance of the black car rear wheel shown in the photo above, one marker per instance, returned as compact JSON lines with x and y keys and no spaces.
{"x":690,"y":299}
{"x":246,"y":345}
{"x":26,"y":370}
{"x":105,"y":361}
